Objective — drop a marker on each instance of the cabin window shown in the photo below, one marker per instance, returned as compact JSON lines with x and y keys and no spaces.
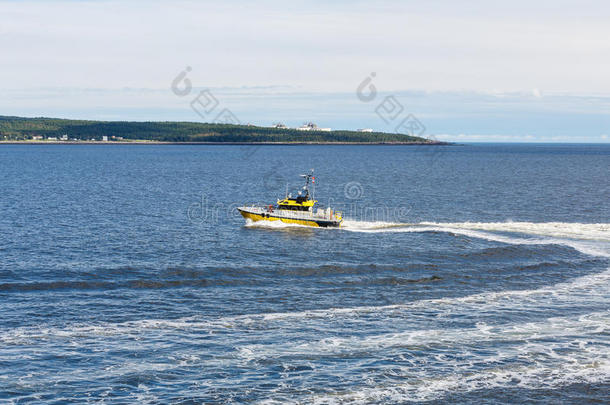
{"x":293,"y":207}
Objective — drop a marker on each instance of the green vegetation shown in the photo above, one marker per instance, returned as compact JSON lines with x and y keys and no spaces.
{"x":17,"y":128}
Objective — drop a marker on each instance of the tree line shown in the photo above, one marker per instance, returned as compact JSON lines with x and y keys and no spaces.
{"x":18,"y":128}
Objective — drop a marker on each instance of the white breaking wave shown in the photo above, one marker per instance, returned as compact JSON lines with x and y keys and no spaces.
{"x":590,"y":239}
{"x":275,"y":225}
{"x":585,"y":289}
{"x":599,"y":232}
{"x":549,"y":352}
{"x":581,"y":289}
{"x":552,"y":328}
{"x":574,"y":231}
{"x":567,"y":370}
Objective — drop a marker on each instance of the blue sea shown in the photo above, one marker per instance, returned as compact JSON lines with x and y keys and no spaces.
{"x":462,"y":274}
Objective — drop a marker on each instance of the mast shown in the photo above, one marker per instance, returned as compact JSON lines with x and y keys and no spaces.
{"x":307,"y":178}
{"x":313,"y":183}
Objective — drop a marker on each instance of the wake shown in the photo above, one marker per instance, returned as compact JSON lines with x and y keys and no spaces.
{"x":571,"y":230}
{"x":590,"y":239}
{"x":600,"y":232}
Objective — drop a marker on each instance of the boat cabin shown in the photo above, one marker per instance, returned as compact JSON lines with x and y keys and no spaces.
{"x":300,"y":203}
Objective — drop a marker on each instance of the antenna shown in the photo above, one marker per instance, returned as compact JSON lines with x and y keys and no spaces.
{"x":307,"y":178}
{"x":313,"y":183}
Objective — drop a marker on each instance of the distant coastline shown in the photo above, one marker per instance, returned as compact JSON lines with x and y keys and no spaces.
{"x":212,"y":143}
{"x":52,"y":131}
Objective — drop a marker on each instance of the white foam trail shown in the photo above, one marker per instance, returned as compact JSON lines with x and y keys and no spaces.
{"x":581,"y":290}
{"x":562,"y":233}
{"x":570,"y":370}
{"x":590,"y":239}
{"x":539,"y":365}
{"x":583,"y":247}
{"x":275,"y":225}
{"x":600,"y":232}
{"x":552,"y":328}
{"x":354,"y":225}
{"x":128,"y":328}
{"x":560,"y":363}
{"x":577,"y":289}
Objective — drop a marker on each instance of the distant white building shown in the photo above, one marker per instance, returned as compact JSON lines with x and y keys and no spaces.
{"x":310,"y":126}
{"x":37,"y":137}
{"x":51,"y":138}
{"x":279,"y":125}
{"x":105,"y":138}
{"x":64,"y":137}
{"x":306,"y":127}
{"x":365,"y":130}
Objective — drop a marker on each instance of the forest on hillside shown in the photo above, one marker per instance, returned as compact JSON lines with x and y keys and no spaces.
{"x":18,"y":128}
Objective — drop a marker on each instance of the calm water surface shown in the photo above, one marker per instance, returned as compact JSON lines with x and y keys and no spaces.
{"x":476,"y":273}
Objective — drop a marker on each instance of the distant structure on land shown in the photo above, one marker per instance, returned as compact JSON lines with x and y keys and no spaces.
{"x":365,"y":130}
{"x":279,"y":125}
{"x":310,"y":126}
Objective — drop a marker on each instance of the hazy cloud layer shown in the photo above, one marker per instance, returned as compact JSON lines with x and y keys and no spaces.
{"x":488,"y":68}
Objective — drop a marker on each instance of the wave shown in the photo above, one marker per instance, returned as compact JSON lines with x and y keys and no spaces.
{"x":599,"y":232}
{"x":589,"y":239}
{"x":278,"y":225}
{"x":551,"y":351}
{"x":129,"y":284}
{"x":572,"y":230}
{"x":564,"y":233}
{"x":539,"y":354}
{"x":582,"y":290}
{"x":585,"y":289}
{"x":555,"y":329}
{"x":533,"y":355}
{"x":571,"y":370}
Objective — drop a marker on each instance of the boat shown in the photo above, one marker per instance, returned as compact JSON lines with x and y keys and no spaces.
{"x":295,"y":210}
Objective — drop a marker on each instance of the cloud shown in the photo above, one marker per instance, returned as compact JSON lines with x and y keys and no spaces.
{"x":318,"y":45}
{"x":466,"y":116}
{"x":459,"y":68}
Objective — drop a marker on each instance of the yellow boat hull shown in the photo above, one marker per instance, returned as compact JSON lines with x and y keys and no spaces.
{"x":278,"y":217}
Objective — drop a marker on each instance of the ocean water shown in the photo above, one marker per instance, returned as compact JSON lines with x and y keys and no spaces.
{"x":462,"y":274}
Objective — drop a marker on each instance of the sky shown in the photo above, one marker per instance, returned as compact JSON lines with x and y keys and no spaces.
{"x":518,"y":71}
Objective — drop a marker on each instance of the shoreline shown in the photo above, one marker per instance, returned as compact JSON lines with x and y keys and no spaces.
{"x":213,"y":143}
